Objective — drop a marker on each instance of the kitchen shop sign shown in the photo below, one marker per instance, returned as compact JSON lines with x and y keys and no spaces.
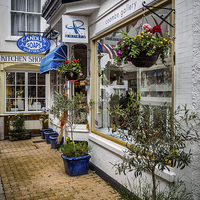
{"x":33,"y":44}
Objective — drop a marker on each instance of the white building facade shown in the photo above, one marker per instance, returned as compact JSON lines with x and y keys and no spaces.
{"x":176,"y":85}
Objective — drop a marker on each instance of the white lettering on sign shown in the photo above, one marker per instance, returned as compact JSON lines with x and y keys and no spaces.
{"x":17,"y":58}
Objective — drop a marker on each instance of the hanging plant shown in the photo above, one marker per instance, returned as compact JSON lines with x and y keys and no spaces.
{"x":71,"y":69}
{"x":112,"y":71}
{"x":144,"y":49}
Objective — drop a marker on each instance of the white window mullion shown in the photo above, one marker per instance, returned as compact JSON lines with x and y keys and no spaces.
{"x":26,"y":91}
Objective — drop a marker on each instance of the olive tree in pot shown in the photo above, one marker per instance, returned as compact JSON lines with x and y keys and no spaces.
{"x":17,"y":130}
{"x":157,"y":137}
{"x":75,"y":154}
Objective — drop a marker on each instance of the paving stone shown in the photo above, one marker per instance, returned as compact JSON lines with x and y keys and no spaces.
{"x":35,"y":171}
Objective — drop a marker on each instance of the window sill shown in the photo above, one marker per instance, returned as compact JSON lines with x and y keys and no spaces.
{"x":12,"y":38}
{"x":118,"y":149}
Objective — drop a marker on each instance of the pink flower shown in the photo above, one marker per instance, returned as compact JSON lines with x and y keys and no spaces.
{"x":119,"y":42}
{"x":146,"y":26}
{"x":81,"y":74}
{"x":114,"y":75}
{"x":71,"y":74}
{"x":119,"y":54}
{"x":154,"y":47}
{"x":125,"y":46}
{"x":74,"y":68}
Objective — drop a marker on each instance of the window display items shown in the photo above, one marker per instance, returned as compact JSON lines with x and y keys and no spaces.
{"x":144,"y":49}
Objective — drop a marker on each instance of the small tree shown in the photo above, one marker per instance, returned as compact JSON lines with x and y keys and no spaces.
{"x":67,"y":110}
{"x":157,"y":137}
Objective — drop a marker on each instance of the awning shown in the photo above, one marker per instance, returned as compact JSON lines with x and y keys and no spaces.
{"x":53,"y":59}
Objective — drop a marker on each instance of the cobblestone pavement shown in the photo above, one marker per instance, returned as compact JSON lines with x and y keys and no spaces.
{"x":30,"y":169}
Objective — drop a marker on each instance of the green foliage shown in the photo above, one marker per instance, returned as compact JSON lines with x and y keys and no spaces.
{"x":17,"y":123}
{"x":82,"y":149}
{"x":130,"y":47}
{"x":175,"y":191}
{"x":157,"y":136}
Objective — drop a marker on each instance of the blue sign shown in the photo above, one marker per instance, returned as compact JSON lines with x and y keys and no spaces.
{"x":33,"y":44}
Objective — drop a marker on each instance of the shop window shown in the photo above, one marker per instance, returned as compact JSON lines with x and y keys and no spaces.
{"x":25,"y":16}
{"x":113,"y":81}
{"x":25,"y":91}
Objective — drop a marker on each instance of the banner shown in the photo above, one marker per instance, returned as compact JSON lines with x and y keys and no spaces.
{"x":74,"y":29}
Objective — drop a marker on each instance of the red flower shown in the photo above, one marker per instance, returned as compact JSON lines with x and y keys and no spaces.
{"x":75,"y":61}
{"x":66,"y":61}
{"x":156,"y":29}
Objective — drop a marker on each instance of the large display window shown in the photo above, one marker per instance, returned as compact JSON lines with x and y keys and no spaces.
{"x":113,"y":81}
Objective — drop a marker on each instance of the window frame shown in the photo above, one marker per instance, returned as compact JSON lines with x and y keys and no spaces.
{"x":12,"y":37}
{"x":26,"y":85}
{"x":94,"y":69}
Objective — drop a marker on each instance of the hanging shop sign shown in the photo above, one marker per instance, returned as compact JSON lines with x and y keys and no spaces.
{"x":33,"y":44}
{"x":74,"y":29}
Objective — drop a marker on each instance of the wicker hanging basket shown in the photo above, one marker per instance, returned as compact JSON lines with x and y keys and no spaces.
{"x":73,"y":78}
{"x":145,"y":61}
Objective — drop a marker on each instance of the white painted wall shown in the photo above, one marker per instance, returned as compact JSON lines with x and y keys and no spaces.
{"x":187,"y":77}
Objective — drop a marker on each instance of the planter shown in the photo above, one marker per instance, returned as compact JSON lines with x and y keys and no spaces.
{"x":77,"y":165}
{"x":44,"y":125}
{"x":45,"y":130}
{"x":145,"y":61}
{"x":53,"y":141}
{"x":72,"y":79}
{"x":48,"y":134}
{"x":14,"y":136}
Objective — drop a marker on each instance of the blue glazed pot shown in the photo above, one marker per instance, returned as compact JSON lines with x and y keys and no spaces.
{"x":45,"y":130}
{"x":77,"y":165}
{"x":48,"y":134}
{"x":54,"y":142}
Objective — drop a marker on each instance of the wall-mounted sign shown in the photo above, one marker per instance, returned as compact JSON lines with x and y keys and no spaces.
{"x":74,"y":29}
{"x":33,"y":44}
{"x":19,"y":58}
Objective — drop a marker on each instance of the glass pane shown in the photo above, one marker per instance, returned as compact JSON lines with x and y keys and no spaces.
{"x":31,"y":92}
{"x":32,"y":104}
{"x":20,"y":78}
{"x":18,"y":5}
{"x":34,"y":6}
{"x":17,"y":24}
{"x":41,"y":91}
{"x":40,"y":103}
{"x":10,"y":78}
{"x":20,"y":92}
{"x":41,"y":79}
{"x":20,"y":104}
{"x":31,"y":78}
{"x":10,"y":92}
{"x":11,"y":106}
{"x":33,"y":23}
{"x":113,"y":81}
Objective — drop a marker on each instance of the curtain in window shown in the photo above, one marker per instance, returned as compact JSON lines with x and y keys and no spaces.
{"x":19,"y":5}
{"x":34,"y":6}
{"x":17,"y":23}
{"x":33,"y":23}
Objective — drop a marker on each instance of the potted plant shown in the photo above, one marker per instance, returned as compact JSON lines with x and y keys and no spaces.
{"x":73,"y":155}
{"x":71,"y":69}
{"x":17,"y":130}
{"x":144,"y":49}
{"x":157,"y":137}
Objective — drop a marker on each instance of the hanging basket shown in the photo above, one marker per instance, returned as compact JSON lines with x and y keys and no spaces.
{"x":145,"y":61}
{"x":73,"y":78}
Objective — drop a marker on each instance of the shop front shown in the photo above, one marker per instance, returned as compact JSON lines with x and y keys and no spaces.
{"x":112,"y":80}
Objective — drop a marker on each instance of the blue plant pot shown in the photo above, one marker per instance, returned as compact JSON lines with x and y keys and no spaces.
{"x":45,"y":130}
{"x":53,"y":141}
{"x":48,"y":134}
{"x":77,"y":165}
